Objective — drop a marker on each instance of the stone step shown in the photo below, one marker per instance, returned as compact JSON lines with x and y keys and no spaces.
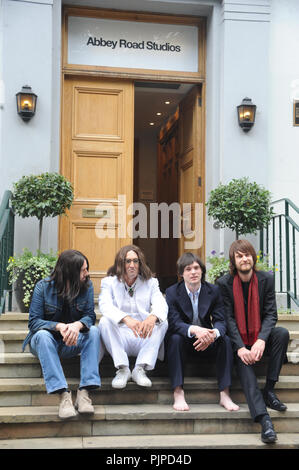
{"x":26,"y":411}
{"x":11,"y":341}
{"x":161,"y":441}
{"x":290,"y":321}
{"x":138,"y":419}
{"x":14,"y":328}
{"x":32,"y":392}
{"x":20,"y":320}
{"x":18,"y":335}
{"x":14,"y":321}
{"x":27,"y":365}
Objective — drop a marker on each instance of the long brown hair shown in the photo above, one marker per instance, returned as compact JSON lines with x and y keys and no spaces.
{"x":66,"y":274}
{"x":118,"y":268}
{"x":242,"y":246}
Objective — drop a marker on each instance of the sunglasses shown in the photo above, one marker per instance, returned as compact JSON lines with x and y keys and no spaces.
{"x":129,"y":261}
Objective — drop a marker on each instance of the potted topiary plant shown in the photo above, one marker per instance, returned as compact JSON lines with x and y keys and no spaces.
{"x":44,"y":195}
{"x":24,"y":272}
{"x":241,"y":206}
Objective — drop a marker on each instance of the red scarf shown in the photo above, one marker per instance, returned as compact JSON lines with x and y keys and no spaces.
{"x":253,"y":315}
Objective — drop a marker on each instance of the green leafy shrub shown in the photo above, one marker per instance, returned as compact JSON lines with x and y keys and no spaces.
{"x":44,"y":195}
{"x":241,"y":206}
{"x":219,"y":266}
{"x":28,"y":269}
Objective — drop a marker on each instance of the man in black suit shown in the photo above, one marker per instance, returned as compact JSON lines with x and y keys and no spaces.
{"x":250,"y":306}
{"x":196,"y":325}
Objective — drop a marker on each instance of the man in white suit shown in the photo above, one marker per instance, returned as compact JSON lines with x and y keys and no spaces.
{"x":134,"y":320}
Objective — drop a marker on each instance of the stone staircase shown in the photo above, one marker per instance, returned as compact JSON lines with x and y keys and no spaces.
{"x":135,"y":418}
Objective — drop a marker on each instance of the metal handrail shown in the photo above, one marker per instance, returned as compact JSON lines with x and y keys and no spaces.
{"x":6,"y":249}
{"x":281,"y":249}
{"x":5,"y":202}
{"x":288,"y":202}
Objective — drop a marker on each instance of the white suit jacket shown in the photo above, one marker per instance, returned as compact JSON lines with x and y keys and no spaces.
{"x":149,"y":299}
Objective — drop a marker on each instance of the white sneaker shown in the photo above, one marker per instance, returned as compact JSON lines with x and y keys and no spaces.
{"x":139,"y":376}
{"x":123,"y":374}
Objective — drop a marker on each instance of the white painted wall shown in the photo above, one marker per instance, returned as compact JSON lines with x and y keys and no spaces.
{"x":213,"y":119}
{"x":240,"y":68}
{"x":283,"y":87}
{"x":2,"y":86}
{"x":27,"y":58}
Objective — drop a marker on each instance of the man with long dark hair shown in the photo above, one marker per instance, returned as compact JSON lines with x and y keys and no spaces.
{"x":61,"y":319}
{"x":250,"y":306}
{"x":134,"y":319}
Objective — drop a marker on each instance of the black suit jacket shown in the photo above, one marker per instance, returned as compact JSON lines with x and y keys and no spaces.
{"x":268,"y":309}
{"x":180,"y":311}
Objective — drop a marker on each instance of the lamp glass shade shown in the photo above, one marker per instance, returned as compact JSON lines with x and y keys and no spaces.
{"x":246,"y":114}
{"x":26,"y":103}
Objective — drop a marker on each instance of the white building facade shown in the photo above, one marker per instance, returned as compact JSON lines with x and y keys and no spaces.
{"x":251,"y":51}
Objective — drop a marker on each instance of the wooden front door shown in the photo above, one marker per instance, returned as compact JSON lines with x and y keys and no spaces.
{"x":191,"y":172}
{"x":168,"y":153}
{"x":181,"y":179}
{"x":97,"y":157}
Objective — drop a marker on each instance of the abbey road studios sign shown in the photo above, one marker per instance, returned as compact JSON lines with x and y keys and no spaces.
{"x":114,"y":43}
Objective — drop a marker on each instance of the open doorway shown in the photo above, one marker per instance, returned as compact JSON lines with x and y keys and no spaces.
{"x":156,"y":168}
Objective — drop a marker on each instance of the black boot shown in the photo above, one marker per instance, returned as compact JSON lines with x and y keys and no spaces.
{"x":272,"y":401}
{"x":268,"y":435}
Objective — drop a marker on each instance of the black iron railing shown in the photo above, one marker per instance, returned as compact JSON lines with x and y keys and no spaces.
{"x":6,"y":249}
{"x":279,"y":242}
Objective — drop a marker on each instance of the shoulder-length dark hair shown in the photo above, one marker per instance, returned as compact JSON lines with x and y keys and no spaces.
{"x":118,"y":268}
{"x":241,"y":246}
{"x":189,"y":258}
{"x":66,"y":274}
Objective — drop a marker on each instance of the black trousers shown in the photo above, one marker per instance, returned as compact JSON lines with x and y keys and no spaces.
{"x":276,"y":348}
{"x":179,"y":348}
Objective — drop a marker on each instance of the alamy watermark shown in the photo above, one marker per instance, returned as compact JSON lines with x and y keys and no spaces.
{"x":154,"y":220}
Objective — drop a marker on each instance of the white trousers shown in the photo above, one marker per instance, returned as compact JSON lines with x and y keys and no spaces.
{"x":121,"y":343}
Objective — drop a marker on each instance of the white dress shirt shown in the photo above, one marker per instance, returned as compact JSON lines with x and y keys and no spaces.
{"x":194,"y":301}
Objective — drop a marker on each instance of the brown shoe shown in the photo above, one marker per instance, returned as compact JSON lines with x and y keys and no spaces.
{"x":66,"y":408}
{"x":83,"y":402}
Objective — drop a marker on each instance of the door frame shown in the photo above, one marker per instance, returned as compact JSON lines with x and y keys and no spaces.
{"x":140,"y":74}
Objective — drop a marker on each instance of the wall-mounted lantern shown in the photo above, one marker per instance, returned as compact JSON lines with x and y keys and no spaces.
{"x":246,"y":114}
{"x":26,"y":103}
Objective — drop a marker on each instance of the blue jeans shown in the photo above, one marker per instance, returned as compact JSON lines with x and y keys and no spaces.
{"x":49,"y":350}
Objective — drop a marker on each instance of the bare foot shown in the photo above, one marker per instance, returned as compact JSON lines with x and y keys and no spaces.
{"x":179,"y":400}
{"x":226,"y":401}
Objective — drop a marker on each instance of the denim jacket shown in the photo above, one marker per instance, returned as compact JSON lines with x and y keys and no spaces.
{"x":45,"y":308}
